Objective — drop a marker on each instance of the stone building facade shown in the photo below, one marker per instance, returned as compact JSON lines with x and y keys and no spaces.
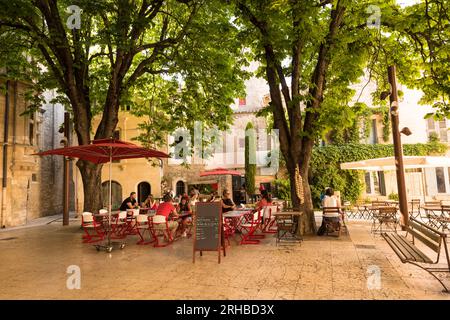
{"x":421,"y":183}
{"x":230,"y":153}
{"x":30,"y":187}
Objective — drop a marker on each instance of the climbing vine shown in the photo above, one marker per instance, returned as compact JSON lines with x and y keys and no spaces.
{"x":362,"y":125}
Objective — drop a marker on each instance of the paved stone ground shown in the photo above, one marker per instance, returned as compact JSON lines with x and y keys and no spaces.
{"x":34,"y":261}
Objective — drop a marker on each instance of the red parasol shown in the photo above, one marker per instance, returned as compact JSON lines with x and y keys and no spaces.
{"x":104,"y":151}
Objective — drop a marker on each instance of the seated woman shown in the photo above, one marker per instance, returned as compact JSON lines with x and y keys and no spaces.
{"x":150,"y":203}
{"x":266,"y":200}
{"x":193,"y":199}
{"x":185,"y":207}
{"x":329,"y":201}
{"x":227,"y":202}
{"x":214,"y":197}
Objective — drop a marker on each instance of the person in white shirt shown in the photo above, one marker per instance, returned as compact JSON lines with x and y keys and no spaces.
{"x":329,"y":201}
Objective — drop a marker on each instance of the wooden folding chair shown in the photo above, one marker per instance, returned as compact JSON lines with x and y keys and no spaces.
{"x":330,"y":225}
{"x":444,"y":219}
{"x":414,"y":208}
{"x":285,"y":227}
{"x":384,"y":216}
{"x":430,"y":208}
{"x":362,"y":210}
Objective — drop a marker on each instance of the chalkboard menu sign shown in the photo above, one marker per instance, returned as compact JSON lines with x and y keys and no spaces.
{"x":208,"y":235}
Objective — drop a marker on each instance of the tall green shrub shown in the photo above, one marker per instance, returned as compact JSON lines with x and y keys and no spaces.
{"x":250,"y":158}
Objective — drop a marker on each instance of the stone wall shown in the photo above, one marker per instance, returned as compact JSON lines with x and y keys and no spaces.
{"x":51,"y":170}
{"x":32,"y":189}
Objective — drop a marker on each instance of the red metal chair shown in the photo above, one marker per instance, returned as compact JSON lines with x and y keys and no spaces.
{"x":159,"y":227}
{"x":249,"y":228}
{"x":228,"y":229}
{"x":143,"y":225}
{"x":269,"y":225}
{"x":119,"y":225}
{"x":131,"y":221}
{"x":88,"y":223}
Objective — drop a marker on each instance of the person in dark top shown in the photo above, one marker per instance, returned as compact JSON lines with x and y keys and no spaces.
{"x":242,"y":194}
{"x":214,"y":197}
{"x":184,"y":205}
{"x":185,"y":208}
{"x":227,"y":202}
{"x":129,"y":203}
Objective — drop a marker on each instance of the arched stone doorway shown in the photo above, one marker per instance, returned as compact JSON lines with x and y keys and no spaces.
{"x":180,"y":188}
{"x":143,"y":191}
{"x":116,"y":189}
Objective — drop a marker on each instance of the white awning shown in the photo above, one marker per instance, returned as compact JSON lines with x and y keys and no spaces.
{"x":387,"y":164}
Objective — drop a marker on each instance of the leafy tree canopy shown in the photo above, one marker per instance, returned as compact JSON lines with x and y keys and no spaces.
{"x":183,"y":61}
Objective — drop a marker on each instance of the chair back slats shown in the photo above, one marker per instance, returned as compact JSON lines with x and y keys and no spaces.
{"x":379,"y":203}
{"x":159,"y":219}
{"x":122,"y":215}
{"x":141,"y":218}
{"x":87,"y":217}
{"x":328,"y":210}
{"x":284,"y":222}
{"x":428,"y":236}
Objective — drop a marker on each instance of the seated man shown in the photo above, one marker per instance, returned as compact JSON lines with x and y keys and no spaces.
{"x":129,"y":203}
{"x":168,"y":210}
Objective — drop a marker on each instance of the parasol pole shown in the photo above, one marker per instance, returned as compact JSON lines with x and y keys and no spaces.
{"x":110,"y":196}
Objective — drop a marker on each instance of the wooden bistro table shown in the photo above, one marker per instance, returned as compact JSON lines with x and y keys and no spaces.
{"x":295,"y":232}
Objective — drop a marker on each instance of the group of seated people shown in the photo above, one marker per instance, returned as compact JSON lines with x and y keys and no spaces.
{"x":166,"y":208}
{"x":185,"y":206}
{"x":229,"y":205}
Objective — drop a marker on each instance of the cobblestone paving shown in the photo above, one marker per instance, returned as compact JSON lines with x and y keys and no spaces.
{"x":34,"y":262}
